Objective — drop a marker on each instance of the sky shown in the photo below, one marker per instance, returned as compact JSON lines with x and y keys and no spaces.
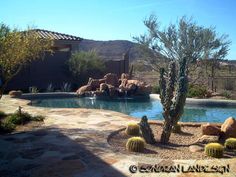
{"x":117,"y":19}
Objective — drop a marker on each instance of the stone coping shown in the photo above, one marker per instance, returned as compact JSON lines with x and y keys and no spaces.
{"x":48,"y":95}
{"x":204,"y":102}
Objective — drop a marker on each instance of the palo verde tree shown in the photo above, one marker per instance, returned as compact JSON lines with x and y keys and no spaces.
{"x":18,"y":49}
{"x":182,"y":43}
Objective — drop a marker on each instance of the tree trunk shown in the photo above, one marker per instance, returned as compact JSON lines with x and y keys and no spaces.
{"x":165,"y":136}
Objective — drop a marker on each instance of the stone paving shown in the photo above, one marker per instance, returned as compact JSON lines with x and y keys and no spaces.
{"x":73,"y":143}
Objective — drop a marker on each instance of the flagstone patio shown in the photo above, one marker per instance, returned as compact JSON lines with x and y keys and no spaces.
{"x":73,"y":142}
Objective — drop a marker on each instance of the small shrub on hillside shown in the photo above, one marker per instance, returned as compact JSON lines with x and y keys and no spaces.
{"x":156,"y":89}
{"x":197,"y":91}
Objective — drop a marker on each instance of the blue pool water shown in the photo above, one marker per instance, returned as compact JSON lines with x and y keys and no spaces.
{"x":151,"y":108}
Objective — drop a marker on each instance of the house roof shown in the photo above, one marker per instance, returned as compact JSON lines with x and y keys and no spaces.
{"x":56,"y":36}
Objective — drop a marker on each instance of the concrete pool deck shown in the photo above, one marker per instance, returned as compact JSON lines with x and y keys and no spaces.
{"x":73,"y":142}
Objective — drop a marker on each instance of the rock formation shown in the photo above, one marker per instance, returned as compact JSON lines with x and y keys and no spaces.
{"x":111,"y":86}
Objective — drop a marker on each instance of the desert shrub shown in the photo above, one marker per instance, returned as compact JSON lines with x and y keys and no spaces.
{"x":156,"y":89}
{"x":214,"y":150}
{"x":33,"y":89}
{"x":197,"y":91}
{"x":6,"y":127}
{"x":66,"y":87}
{"x":50,"y":88}
{"x":176,"y":128}
{"x":230,"y":143}
{"x":226,"y":94}
{"x":19,"y":118}
{"x":132,"y":129}
{"x":2,"y":114}
{"x":135,"y":144}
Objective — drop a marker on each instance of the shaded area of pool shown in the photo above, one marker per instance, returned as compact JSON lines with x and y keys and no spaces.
{"x":137,"y":108}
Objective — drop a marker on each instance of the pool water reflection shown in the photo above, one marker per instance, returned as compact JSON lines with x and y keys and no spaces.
{"x":137,"y":108}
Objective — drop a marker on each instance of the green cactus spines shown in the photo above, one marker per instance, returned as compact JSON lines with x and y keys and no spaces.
{"x":173,"y":108}
{"x":132,"y":129}
{"x":214,"y":150}
{"x":135,"y":144}
{"x":230,"y":143}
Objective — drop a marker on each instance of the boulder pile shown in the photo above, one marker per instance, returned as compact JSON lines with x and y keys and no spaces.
{"x":110,"y":85}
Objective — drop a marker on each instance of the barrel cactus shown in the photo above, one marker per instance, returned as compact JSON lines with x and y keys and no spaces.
{"x":132,"y":129}
{"x":214,"y":150}
{"x":135,"y":144}
{"x":230,"y":143}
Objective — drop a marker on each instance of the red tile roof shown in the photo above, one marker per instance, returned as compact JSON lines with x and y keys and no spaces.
{"x":56,"y":35}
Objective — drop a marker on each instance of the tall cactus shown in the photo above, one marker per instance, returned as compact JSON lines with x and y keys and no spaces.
{"x":172,"y":108}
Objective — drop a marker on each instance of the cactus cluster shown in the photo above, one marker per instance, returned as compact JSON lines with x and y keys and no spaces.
{"x":230,"y":143}
{"x":214,"y":150}
{"x":135,"y":144}
{"x":132,"y":129}
{"x":176,"y":128}
{"x":173,"y":99}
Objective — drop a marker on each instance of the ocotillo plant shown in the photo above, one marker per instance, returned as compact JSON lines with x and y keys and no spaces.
{"x":173,"y":108}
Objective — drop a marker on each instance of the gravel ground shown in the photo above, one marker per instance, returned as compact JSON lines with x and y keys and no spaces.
{"x":177,"y":148}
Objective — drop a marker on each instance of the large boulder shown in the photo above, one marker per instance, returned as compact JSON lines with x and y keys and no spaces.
{"x":124,"y":76}
{"x":112,"y":90}
{"x":144,"y":90}
{"x":210,"y":129}
{"x":82,"y":90}
{"x":15,"y":93}
{"x":229,"y":127}
{"x":111,"y":79}
{"x":94,"y":83}
{"x":103,"y":87}
{"x":136,"y":82}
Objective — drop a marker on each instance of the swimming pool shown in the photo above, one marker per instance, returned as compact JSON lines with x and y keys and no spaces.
{"x":137,"y":108}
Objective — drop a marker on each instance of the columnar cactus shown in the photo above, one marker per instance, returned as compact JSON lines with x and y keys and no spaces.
{"x":173,"y":109}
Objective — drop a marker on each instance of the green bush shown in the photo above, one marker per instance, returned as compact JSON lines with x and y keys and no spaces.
{"x":156,"y":89}
{"x":132,"y":129}
{"x":9,"y":122}
{"x":6,"y":127}
{"x":135,"y":144}
{"x":230,"y":143}
{"x":197,"y":91}
{"x":214,"y":150}
{"x":18,"y":118}
{"x":226,"y":94}
{"x":2,"y":114}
